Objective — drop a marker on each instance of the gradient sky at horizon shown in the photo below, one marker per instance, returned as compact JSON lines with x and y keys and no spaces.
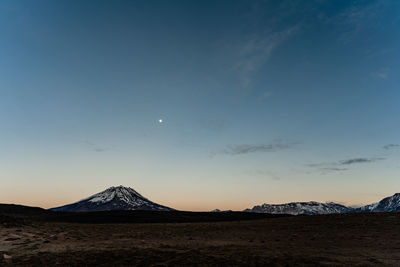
{"x":261,"y":101}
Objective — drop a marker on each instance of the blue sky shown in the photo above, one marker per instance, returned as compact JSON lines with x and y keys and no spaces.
{"x":261,"y":101}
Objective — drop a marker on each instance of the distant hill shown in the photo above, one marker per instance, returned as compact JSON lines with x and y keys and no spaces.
{"x":16,"y":215}
{"x":113,"y":198}
{"x":20,"y":210}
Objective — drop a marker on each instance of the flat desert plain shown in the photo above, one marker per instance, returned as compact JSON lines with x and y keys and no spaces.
{"x":322,"y":240}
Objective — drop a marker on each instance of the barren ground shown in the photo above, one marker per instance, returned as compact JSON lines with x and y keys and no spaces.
{"x":328,"y":240}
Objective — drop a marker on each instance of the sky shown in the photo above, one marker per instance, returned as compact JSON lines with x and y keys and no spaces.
{"x":260,"y":101}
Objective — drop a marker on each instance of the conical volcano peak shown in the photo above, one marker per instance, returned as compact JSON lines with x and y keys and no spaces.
{"x":113,"y":198}
{"x":120,"y":193}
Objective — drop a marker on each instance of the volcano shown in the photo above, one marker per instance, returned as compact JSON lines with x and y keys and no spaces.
{"x":113,"y":198}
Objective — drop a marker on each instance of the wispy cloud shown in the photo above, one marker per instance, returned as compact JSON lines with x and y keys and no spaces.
{"x":254,"y":148}
{"x":96,"y":147}
{"x":381,"y":74}
{"x":390,"y":146}
{"x":359,"y":160}
{"x":341,"y":165}
{"x":357,"y":18}
{"x":256,"y":50}
{"x":334,"y":169}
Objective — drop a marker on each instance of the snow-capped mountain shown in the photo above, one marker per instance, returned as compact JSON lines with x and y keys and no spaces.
{"x":297,"y":208}
{"x":388,"y":204}
{"x":113,"y":198}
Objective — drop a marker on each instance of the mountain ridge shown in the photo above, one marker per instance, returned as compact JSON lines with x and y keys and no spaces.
{"x":301,"y":208}
{"x":387,"y":204}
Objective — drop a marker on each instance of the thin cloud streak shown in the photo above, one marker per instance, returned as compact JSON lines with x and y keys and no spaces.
{"x":247,"y":148}
{"x":359,"y":160}
{"x":390,"y":146}
{"x":95,"y":147}
{"x":340,"y":165}
{"x":334,"y":169}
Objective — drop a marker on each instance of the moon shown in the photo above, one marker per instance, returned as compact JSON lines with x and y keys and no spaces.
{"x":160,"y":121}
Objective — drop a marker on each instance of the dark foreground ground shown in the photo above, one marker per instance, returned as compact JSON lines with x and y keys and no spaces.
{"x":325,"y":240}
